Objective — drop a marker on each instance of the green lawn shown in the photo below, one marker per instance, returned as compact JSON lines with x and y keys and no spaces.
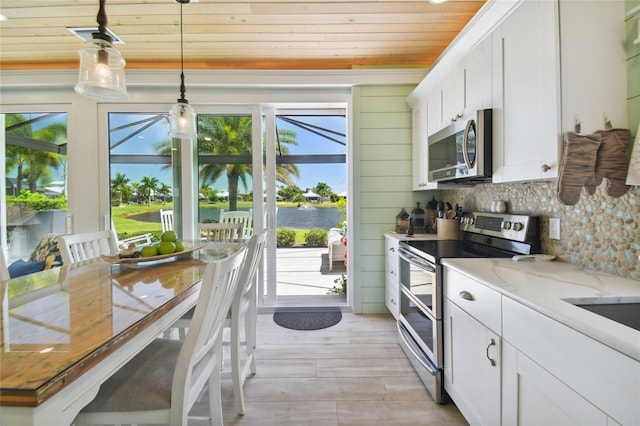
{"x":126,"y":227}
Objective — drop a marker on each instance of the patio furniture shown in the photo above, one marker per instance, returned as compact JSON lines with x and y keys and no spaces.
{"x":220,"y":232}
{"x":166,"y":220}
{"x":336,"y":245}
{"x":136,"y":239}
{"x":162,"y":382}
{"x":87,"y":246}
{"x":239,"y":216}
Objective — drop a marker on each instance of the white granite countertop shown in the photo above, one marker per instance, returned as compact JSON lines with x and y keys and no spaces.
{"x":543,"y":285}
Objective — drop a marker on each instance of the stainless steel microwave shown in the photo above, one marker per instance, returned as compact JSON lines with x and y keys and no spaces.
{"x":461,"y":152}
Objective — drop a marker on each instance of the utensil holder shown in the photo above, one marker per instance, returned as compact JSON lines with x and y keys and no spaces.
{"x":448,"y":229}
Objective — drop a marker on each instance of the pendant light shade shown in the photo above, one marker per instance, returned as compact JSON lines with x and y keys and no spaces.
{"x":101,"y":65}
{"x":182,"y":118}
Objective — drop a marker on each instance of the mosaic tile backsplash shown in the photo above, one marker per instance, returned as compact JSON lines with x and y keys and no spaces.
{"x":599,"y":232}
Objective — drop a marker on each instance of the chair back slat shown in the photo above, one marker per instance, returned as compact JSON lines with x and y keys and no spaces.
{"x":166,"y":220}
{"x":201,"y":351}
{"x":246,"y":291}
{"x":220,"y":232}
{"x":243,"y":217}
{"x":86,"y":246}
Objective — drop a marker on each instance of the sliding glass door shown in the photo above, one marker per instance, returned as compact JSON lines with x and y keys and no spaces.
{"x":306,"y":186}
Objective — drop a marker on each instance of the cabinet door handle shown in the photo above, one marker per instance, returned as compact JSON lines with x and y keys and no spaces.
{"x":546,"y":168}
{"x":466,"y":295}
{"x":392,"y":249}
{"x":492,"y":342}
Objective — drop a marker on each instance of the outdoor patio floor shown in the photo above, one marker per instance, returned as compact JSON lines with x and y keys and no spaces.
{"x":303,"y":277}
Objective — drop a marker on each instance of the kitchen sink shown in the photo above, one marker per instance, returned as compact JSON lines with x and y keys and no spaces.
{"x":623,"y":310}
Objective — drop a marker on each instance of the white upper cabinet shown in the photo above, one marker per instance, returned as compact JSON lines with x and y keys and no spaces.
{"x":420,"y":154}
{"x":594,"y":78}
{"x":434,"y":112}
{"x":555,"y":64}
{"x":453,"y":95}
{"x":478,"y":93}
{"x":465,"y":88}
{"x":526,"y":83}
{"x":543,"y":66}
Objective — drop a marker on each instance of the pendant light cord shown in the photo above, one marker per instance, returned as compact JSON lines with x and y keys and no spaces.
{"x":183,"y":89}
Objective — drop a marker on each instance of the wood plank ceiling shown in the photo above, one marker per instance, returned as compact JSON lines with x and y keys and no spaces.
{"x":231,"y":34}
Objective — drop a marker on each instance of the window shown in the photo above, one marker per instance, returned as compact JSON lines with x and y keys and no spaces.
{"x":141,"y":172}
{"x":35,"y":170}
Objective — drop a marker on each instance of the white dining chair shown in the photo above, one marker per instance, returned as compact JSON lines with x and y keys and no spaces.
{"x":161,"y":383}
{"x":4,"y":268}
{"x":242,"y":315}
{"x":239,"y":216}
{"x":86,"y":246}
{"x":220,"y":232}
{"x":166,"y":220}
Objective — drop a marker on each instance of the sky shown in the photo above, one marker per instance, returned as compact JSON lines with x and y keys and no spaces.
{"x":333,"y":175}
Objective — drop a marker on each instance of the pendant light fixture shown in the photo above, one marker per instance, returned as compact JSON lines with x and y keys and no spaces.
{"x":101,"y":65}
{"x":182,"y":118}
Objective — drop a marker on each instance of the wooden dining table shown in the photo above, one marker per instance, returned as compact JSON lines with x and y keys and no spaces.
{"x":67,"y":330}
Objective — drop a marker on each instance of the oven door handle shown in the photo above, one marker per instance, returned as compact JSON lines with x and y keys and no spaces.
{"x":411,"y":347}
{"x":415,"y":260}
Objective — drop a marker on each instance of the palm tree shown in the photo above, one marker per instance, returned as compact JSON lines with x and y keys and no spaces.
{"x":16,"y":156}
{"x":136,"y":189}
{"x":164,"y":190}
{"x":231,"y":135}
{"x":119,"y":184}
{"x":41,"y":162}
{"x":147,"y":185}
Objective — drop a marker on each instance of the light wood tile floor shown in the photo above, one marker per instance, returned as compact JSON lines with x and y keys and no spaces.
{"x":353,"y":373}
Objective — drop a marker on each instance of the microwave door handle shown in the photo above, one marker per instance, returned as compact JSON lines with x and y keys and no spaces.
{"x":465,"y":144}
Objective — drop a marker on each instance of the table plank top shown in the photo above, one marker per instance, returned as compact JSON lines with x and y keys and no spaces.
{"x":59,"y":323}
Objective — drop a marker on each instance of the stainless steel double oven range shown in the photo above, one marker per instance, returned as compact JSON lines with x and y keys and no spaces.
{"x":484,"y":235}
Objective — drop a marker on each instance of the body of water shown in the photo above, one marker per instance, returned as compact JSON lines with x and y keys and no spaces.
{"x":287,"y":217}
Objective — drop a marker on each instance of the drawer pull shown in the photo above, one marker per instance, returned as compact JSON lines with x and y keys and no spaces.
{"x":492,"y":342}
{"x":466,"y":295}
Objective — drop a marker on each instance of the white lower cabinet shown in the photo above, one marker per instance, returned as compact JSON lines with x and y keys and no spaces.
{"x":506,"y":363}
{"x":587,"y":380}
{"x":472,"y":366}
{"x":533,"y":396}
{"x":392,"y":268}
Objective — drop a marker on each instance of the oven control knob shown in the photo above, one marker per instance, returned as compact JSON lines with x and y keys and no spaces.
{"x":517,"y":226}
{"x":506,"y":225}
{"x":472,"y":220}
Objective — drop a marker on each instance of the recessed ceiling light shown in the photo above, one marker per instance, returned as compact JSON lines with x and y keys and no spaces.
{"x":437,"y":1}
{"x":2,"y":17}
{"x":85,"y":33}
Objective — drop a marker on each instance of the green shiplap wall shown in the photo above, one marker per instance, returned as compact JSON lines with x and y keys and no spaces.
{"x":633,"y":67}
{"x":382,"y":173}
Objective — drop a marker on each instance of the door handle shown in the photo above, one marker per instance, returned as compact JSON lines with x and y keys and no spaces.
{"x":492,"y":342}
{"x":466,"y":295}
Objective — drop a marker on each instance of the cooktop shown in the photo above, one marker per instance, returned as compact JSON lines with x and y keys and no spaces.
{"x":483,"y":235}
